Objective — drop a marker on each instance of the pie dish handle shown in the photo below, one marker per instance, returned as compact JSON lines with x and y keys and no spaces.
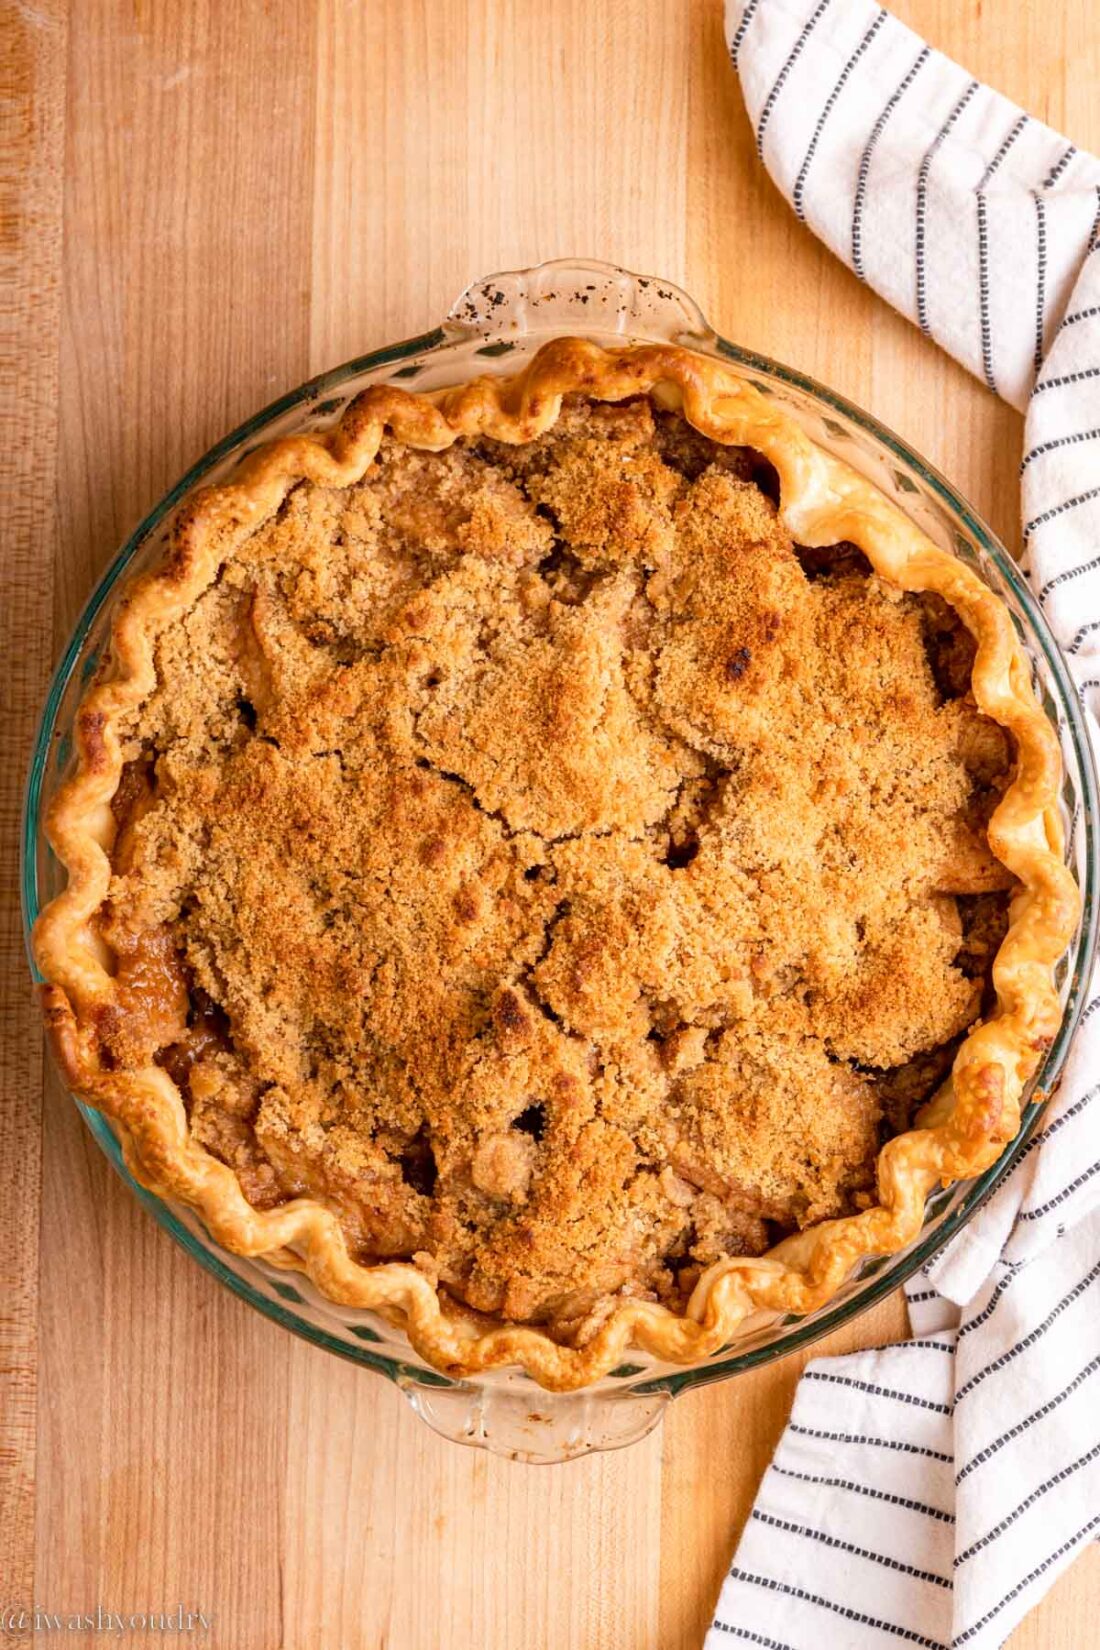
{"x":575,"y":295}
{"x":517,"y":1419}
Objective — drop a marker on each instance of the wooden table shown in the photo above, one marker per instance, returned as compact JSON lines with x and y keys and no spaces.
{"x":212,"y":201}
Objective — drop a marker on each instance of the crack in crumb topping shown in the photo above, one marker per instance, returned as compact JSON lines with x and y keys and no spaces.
{"x":536,"y":857}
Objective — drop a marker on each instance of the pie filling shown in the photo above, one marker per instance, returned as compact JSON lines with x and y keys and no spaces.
{"x":533,"y":856}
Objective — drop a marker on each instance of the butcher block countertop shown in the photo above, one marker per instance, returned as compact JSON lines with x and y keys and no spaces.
{"x":209,"y":202}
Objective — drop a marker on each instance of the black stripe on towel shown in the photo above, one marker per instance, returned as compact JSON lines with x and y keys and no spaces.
{"x":1077,"y":316}
{"x":1039,"y":1570}
{"x":1090,"y":1094}
{"x":1010,"y":138}
{"x":1040,"y":276}
{"x":1064,"y":578}
{"x":990,"y":1306}
{"x":792,"y":58}
{"x":1085,"y":630}
{"x":827,"y":109}
{"x":1060,"y":509}
{"x":922,"y":202}
{"x":750,"y":1637}
{"x":862,"y":1438}
{"x":790,"y":1591}
{"x":1039,"y":1414}
{"x":868,"y":1490}
{"x":1028,"y":1501}
{"x":1029,"y":1340}
{"x":847,"y":1547}
{"x":878,"y":1391}
{"x":983,"y":296}
{"x":1074,"y":1185}
{"x":742,"y":29}
{"x":983,"y":252}
{"x":1073,"y":439}
{"x":865,"y":159}
{"x":1059,"y":166}
{"x":1066,"y":378}
{"x":1081,"y":315}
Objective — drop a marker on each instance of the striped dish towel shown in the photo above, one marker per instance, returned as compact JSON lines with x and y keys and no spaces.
{"x":930,"y":1493}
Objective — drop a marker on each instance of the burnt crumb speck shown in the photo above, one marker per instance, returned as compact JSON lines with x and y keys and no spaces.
{"x":493,"y":295}
{"x":737,"y":663}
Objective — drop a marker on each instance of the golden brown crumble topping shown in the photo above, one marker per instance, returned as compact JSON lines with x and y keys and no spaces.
{"x":533,"y":855}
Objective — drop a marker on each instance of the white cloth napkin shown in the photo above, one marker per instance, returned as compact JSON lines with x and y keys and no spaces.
{"x":930,"y":1493}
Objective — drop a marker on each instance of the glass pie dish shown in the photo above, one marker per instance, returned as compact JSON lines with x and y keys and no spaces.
{"x":493,"y":328}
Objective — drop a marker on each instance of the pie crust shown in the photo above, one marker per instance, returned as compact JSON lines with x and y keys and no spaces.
{"x":822,"y":502}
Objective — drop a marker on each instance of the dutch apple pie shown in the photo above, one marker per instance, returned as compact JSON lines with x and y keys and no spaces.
{"x":564,"y":862}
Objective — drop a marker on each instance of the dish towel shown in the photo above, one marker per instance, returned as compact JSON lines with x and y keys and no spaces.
{"x":929,"y":1493}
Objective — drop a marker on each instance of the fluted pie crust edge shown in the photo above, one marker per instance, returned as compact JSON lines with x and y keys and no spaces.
{"x":961,"y":1131}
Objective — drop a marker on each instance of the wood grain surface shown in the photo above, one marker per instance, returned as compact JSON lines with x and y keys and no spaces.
{"x":205,"y":202}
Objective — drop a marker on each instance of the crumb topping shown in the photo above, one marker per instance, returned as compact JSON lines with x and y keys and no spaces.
{"x":533,"y":855}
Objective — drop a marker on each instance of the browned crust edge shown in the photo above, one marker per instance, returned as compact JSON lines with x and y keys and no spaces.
{"x":822,"y":501}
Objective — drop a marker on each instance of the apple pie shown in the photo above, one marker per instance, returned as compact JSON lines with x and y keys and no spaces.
{"x":564,"y":862}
